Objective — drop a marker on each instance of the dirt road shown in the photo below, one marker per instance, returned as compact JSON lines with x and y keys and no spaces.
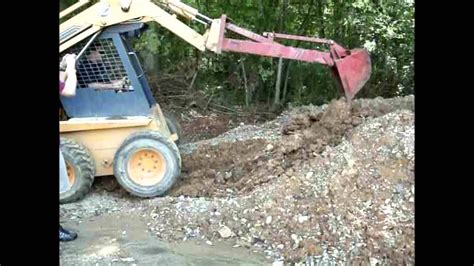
{"x":125,"y":240}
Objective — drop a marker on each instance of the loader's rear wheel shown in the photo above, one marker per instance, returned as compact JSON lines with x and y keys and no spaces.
{"x":80,"y":170}
{"x":173,"y":125}
{"x":147,"y":164}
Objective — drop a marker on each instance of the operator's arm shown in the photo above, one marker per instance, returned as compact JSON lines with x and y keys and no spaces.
{"x":69,"y":77}
{"x":117,"y":85}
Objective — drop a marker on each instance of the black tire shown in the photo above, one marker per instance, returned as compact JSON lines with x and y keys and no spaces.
{"x":79,"y":158}
{"x":139,"y":142}
{"x":173,"y":125}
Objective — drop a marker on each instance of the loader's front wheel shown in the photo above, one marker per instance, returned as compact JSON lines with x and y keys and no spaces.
{"x":80,"y":170}
{"x":147,"y":164}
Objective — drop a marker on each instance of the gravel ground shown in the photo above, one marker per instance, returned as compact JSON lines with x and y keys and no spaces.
{"x":271,"y":130}
{"x":330,"y":184}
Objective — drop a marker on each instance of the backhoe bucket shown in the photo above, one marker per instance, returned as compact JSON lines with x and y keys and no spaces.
{"x":353,"y":71}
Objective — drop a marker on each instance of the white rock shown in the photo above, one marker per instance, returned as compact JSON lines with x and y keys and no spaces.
{"x":278,"y":263}
{"x":294,"y":237}
{"x":269,"y":147}
{"x":209,"y":243}
{"x":281,"y":246}
{"x":225,"y":232}
{"x":302,"y":219}
{"x":374,"y":261}
{"x":269,"y":220}
{"x":127,"y":259}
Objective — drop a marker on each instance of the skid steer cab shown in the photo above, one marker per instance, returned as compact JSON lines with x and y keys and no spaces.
{"x":114,"y":126}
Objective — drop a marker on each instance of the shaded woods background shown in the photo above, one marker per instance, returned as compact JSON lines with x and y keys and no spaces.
{"x":385,"y":28}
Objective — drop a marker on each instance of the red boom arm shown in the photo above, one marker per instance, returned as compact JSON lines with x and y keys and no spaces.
{"x":352,"y":68}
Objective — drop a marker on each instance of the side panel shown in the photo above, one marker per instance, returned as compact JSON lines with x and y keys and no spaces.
{"x":104,"y":143}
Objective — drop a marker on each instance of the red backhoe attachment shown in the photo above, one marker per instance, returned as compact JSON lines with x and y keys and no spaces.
{"x":351,"y":68}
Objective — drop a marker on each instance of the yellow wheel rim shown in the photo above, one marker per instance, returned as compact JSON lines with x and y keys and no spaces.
{"x":71,"y":175}
{"x":146,"y":167}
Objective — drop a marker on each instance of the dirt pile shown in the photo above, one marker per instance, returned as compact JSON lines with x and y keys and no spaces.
{"x":249,"y":156}
{"x":330,"y":184}
{"x":216,"y":171}
{"x":339,"y":186}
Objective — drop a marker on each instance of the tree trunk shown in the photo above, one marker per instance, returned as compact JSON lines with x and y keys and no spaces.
{"x":286,"y":81}
{"x":247,"y":93}
{"x":283,"y":15}
{"x":278,"y":83}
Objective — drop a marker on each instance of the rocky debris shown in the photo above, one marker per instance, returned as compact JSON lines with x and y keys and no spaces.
{"x":341,"y":189}
{"x":319,"y":185}
{"x":102,"y":201}
{"x":243,"y":159}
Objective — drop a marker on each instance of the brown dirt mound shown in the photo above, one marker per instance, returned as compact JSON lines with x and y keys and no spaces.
{"x":239,"y":167}
{"x":213,"y":170}
{"x":352,"y":203}
{"x":205,"y":127}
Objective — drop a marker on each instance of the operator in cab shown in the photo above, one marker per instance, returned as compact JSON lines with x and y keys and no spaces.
{"x":67,"y":88}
